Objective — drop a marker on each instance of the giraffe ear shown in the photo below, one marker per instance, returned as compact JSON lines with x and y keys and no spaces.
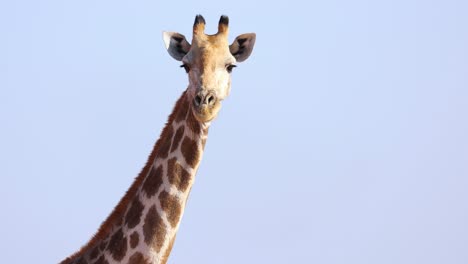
{"x":242,"y":46}
{"x":176,"y":45}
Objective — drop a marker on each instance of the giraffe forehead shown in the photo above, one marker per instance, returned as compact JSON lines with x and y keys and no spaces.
{"x":210,"y":45}
{"x":208,"y":56}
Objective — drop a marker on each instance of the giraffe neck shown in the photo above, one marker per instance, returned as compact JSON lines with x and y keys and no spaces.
{"x":143,"y":226}
{"x":174,"y":174}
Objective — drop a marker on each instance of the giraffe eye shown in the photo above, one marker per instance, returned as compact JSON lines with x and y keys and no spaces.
{"x":186,"y":67}
{"x":229,"y":67}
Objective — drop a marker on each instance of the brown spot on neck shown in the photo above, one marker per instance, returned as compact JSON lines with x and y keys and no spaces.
{"x":167,"y":134}
{"x":134,"y":240}
{"x":177,"y":137}
{"x":138,"y":258}
{"x":154,"y":229}
{"x":190,"y":151}
{"x":193,"y":123}
{"x":118,"y":245}
{"x":171,"y":205}
{"x":183,"y":108}
{"x":153,"y":181}
{"x":103,"y":245}
{"x":177,"y":175}
{"x":94,"y":253}
{"x":134,"y":213}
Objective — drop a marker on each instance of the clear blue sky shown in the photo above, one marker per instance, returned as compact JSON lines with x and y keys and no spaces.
{"x":344,"y":140}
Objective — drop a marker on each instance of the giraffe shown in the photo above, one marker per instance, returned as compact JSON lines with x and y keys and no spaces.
{"x":143,"y":226}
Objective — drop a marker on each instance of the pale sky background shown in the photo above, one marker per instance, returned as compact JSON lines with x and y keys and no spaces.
{"x":344,"y":140}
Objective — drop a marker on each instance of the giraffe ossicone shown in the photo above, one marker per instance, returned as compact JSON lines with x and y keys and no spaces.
{"x":143,"y":225}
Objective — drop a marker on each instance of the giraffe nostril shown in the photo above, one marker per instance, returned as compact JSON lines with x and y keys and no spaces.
{"x":210,"y":99}
{"x":197,"y":100}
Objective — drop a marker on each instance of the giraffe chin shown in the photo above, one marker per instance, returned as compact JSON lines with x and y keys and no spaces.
{"x":206,"y":113}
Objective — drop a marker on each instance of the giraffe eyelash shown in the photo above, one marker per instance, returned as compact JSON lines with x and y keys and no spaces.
{"x":229,"y":67}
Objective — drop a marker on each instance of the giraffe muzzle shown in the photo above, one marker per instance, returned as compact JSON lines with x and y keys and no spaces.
{"x":206,"y":105}
{"x":204,"y":99}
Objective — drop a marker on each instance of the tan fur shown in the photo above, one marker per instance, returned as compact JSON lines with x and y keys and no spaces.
{"x":208,"y":57}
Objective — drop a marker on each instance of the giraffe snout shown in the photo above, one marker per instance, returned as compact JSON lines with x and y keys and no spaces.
{"x":206,"y":105}
{"x":204,"y":98}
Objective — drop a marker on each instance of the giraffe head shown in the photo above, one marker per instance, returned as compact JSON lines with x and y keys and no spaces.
{"x":208,"y":61}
